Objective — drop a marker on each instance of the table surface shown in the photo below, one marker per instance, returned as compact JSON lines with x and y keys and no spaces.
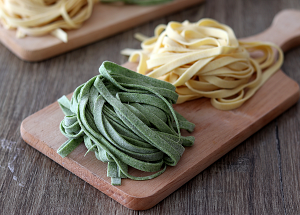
{"x":260,"y":176}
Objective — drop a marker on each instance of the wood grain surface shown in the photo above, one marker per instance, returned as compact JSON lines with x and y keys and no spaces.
{"x":260,"y":176}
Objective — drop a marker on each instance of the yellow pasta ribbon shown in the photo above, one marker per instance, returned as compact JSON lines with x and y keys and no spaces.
{"x":205,"y":59}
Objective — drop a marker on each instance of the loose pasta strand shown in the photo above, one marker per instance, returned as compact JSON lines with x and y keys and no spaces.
{"x":205,"y":59}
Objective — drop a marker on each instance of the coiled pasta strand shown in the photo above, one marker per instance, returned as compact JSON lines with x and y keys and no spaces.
{"x":205,"y":59}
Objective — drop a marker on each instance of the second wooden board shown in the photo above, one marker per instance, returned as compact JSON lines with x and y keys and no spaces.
{"x":106,"y":20}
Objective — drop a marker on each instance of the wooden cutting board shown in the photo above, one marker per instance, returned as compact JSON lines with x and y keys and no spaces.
{"x":216,"y":132}
{"x":106,"y":20}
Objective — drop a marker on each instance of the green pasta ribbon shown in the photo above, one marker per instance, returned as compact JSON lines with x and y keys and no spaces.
{"x":126,"y":119}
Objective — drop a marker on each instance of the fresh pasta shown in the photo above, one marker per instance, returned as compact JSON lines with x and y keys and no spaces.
{"x":41,"y":17}
{"x":127,"y":119}
{"x":205,"y":59}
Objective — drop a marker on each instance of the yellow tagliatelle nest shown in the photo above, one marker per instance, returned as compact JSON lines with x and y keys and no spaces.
{"x":40,"y":17}
{"x":205,"y":59}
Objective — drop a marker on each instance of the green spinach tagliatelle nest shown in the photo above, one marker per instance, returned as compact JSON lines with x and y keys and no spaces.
{"x":127,"y":119}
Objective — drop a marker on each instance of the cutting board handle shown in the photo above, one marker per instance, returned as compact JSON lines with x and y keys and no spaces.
{"x":284,"y":31}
